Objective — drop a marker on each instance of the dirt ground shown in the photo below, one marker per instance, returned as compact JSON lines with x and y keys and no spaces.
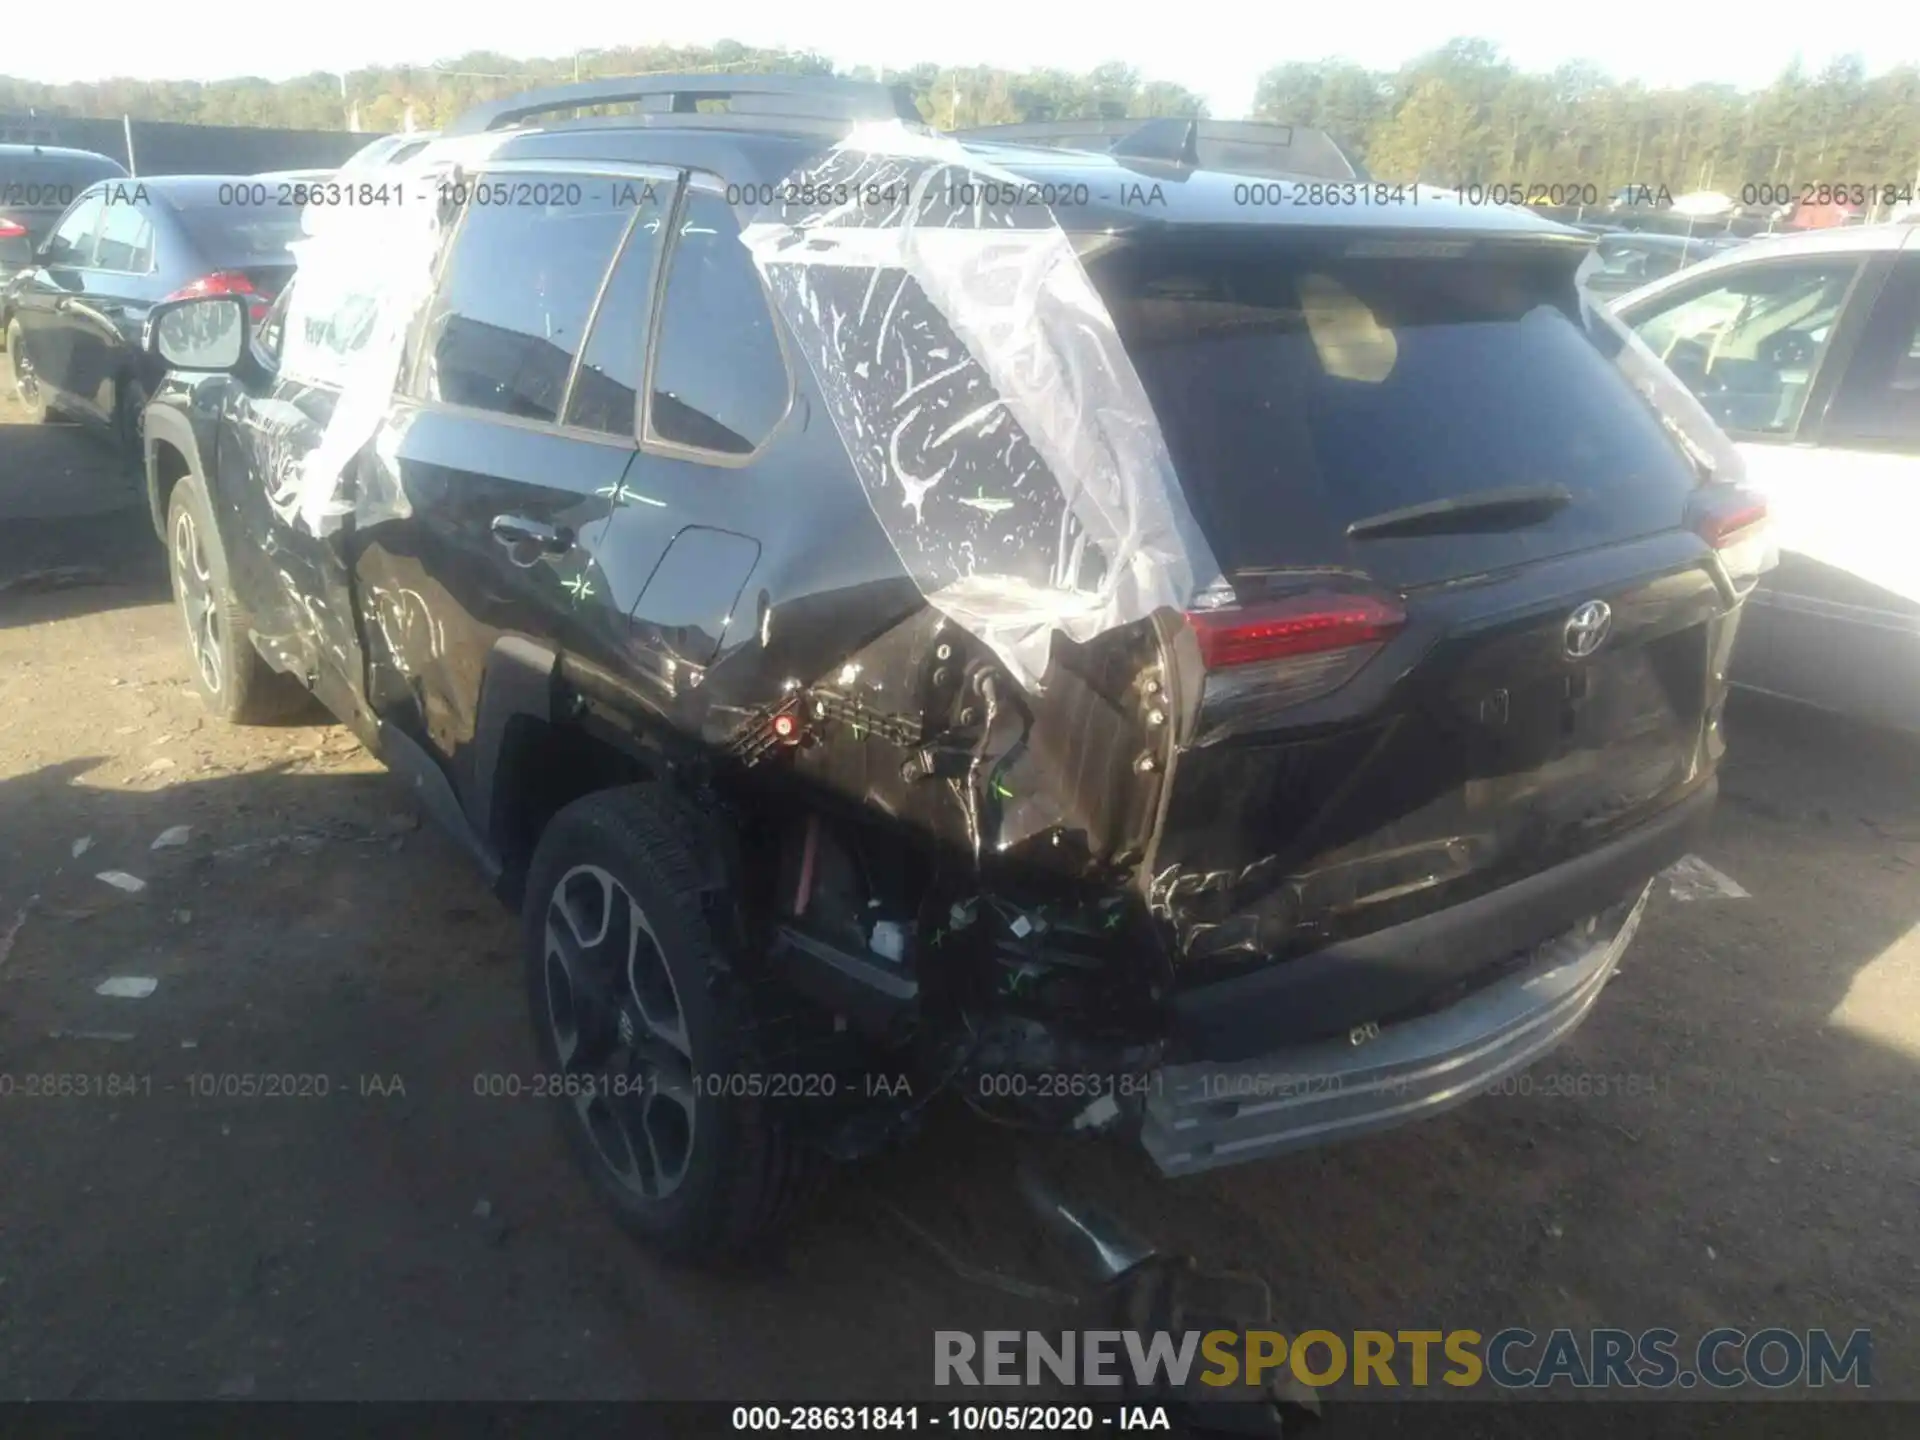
{"x":404,"y":1236}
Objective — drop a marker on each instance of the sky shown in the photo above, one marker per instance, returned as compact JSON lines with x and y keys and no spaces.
{"x":1216,"y":47}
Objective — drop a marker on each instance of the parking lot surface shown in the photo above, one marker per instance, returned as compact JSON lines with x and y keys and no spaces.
{"x":1728,"y":1141}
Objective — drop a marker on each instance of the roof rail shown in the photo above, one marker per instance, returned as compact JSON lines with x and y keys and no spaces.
{"x":813,"y":97}
{"x":1249,"y":147}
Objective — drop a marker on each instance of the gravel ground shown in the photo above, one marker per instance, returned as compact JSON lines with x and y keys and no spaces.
{"x":402,"y":1236}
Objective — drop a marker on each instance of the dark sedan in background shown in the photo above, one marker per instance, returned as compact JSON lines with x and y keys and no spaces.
{"x":73,"y":319}
{"x":37,"y":184}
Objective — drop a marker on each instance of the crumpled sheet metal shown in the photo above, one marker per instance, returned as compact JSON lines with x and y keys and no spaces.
{"x":364,"y":274}
{"x":979,"y":385}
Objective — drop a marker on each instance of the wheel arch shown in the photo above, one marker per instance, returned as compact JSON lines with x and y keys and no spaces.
{"x":537,"y":750}
{"x":170,"y":451}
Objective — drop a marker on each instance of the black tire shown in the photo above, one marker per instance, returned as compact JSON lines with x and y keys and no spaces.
{"x":727,"y":1176}
{"x":32,"y":398}
{"x":232,"y":679}
{"x":130,"y":403}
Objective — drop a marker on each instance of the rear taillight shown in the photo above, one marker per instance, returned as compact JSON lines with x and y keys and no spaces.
{"x":225,"y":282}
{"x":1299,"y":625}
{"x":11,"y":229}
{"x":1263,"y":658}
{"x":1725,"y":524}
{"x":1734,"y":522}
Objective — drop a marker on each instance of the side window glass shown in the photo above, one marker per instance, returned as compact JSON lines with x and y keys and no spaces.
{"x":1748,"y":346}
{"x":126,"y":239}
{"x":72,"y":240}
{"x":719,"y":380}
{"x":518,"y":289}
{"x":1878,"y":403}
{"x":606,"y":387}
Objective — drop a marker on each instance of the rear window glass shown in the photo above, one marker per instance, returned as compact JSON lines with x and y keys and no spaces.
{"x":236,"y":233}
{"x":1300,"y":393}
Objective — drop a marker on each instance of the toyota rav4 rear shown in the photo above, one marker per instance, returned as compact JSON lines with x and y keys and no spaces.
{"x":1144,"y":662}
{"x":1459,"y":696}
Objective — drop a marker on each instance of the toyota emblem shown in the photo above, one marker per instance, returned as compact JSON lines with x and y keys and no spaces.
{"x":1587,"y":627}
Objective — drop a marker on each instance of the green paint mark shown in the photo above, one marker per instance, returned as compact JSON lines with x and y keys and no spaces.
{"x":622,"y":494}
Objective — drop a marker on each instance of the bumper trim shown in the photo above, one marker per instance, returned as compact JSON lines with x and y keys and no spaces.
{"x":1394,"y":971}
{"x":1202,"y":1116}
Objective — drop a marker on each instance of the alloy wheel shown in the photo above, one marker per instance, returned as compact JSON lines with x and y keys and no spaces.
{"x":619,"y":1033}
{"x":199,"y":603}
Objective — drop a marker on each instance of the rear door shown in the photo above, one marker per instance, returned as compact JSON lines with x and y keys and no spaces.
{"x":719,"y":386}
{"x":484,"y":508}
{"x":43,"y":295}
{"x":111,"y":305}
{"x":1852,"y":489}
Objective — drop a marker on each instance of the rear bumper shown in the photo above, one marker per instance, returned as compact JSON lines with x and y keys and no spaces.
{"x":1202,"y":1116}
{"x":1403,"y":969}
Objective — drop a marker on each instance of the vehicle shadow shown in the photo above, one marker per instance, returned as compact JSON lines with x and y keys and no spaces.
{"x":78,"y":536}
{"x":391,"y":1237}
{"x":384,"y":1222}
{"x":1725,"y":1142}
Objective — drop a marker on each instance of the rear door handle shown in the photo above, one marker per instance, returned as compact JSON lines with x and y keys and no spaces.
{"x":516,"y":531}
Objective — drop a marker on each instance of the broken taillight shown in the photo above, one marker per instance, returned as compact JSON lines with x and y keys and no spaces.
{"x":1266,"y":657}
{"x":1734,"y":522}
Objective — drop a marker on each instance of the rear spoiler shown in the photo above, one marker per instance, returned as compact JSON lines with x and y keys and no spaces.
{"x":1244,"y":147}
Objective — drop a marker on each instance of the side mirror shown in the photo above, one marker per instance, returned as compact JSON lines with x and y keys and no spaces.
{"x":205,"y":333}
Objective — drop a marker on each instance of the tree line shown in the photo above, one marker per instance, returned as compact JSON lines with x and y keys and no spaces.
{"x":1462,"y":114}
{"x":1465,"y":115}
{"x":384,"y":98}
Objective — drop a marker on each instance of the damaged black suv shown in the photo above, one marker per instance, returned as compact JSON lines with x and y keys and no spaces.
{"x":1166,"y":638}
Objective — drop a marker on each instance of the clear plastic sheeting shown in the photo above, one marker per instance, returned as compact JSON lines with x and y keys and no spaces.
{"x":980,"y":387}
{"x":365,"y":273}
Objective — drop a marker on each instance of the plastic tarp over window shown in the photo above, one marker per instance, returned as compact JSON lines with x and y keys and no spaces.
{"x":979,"y":385}
{"x":365,"y":272}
